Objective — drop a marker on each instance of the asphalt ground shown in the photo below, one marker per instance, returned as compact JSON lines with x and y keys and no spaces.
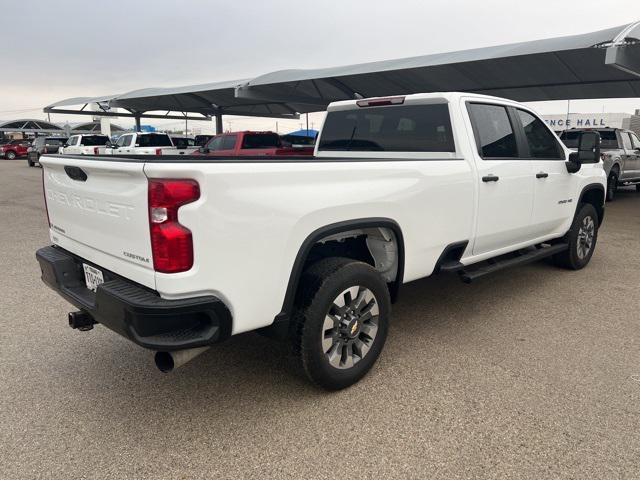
{"x":532,"y":373}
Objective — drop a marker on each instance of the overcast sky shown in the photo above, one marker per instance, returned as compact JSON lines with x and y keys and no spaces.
{"x":57,"y":49}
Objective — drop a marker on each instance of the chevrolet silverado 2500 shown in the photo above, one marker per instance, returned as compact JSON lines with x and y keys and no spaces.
{"x":178,"y":253}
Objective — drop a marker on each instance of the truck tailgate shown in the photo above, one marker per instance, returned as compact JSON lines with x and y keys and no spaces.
{"x":98,"y":211}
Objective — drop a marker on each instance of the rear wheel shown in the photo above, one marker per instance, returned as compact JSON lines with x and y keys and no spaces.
{"x":612,"y":185}
{"x":10,"y":155}
{"x":340,"y":322}
{"x":582,"y":239}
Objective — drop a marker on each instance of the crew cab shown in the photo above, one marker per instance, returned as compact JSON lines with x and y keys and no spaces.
{"x":83,"y":144}
{"x":14,"y":149}
{"x":141,"y":143}
{"x":620,"y":153}
{"x":178,"y":253}
{"x":251,"y":144}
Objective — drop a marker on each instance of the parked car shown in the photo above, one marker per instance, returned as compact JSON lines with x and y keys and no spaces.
{"x":43,"y":145}
{"x":14,"y":149}
{"x":142,"y":143}
{"x":620,"y":153}
{"x":83,"y":144}
{"x":250,"y":143}
{"x":178,"y":255}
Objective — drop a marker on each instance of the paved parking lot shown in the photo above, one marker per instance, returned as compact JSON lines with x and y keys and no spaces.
{"x":531,"y":373}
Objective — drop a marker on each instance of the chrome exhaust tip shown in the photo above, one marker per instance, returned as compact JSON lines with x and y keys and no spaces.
{"x":169,"y":361}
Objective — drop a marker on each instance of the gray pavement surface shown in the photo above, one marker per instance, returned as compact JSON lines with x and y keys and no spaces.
{"x":531,"y":373}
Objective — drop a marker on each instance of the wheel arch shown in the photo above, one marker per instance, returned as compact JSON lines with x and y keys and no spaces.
{"x":335,"y":228}
{"x":595,"y":195}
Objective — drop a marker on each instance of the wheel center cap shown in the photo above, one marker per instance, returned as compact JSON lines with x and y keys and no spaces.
{"x":351,"y":327}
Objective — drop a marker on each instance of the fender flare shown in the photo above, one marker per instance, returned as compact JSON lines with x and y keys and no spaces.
{"x":332,"y":229}
{"x":589,"y":188}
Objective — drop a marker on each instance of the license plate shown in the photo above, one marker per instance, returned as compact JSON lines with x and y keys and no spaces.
{"x":92,"y":277}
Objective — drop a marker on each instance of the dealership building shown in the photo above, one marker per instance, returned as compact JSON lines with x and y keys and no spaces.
{"x":627,"y":121}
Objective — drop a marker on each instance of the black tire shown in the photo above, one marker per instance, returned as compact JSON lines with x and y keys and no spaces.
{"x":578,"y":255}
{"x":638,"y":187}
{"x":10,"y":155}
{"x":612,"y":185}
{"x":322,"y":285}
{"x":29,"y":162}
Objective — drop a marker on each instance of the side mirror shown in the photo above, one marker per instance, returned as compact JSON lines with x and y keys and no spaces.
{"x":204,"y":150}
{"x":588,"y":151}
{"x":64,"y":146}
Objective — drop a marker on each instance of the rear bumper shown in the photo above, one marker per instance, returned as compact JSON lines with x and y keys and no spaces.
{"x":133,"y":311}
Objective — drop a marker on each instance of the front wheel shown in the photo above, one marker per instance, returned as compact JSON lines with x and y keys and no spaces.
{"x":341,"y":320}
{"x":582,"y":239}
{"x":10,"y":155}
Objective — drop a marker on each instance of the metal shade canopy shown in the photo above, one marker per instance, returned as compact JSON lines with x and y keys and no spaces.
{"x":603,"y":64}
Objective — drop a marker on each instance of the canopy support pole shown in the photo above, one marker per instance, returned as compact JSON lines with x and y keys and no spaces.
{"x":138,"y":127}
{"x":218,"y":123}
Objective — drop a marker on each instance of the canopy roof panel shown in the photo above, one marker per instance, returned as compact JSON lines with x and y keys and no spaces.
{"x":602,"y":64}
{"x":29,"y":125}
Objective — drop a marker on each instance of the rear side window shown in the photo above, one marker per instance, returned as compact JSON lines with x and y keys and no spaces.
{"x":493,"y":131}
{"x":634,"y":140}
{"x":154,"y":140}
{"x":626,"y":140}
{"x":410,"y":128}
{"x":260,"y":141}
{"x":542,"y":143}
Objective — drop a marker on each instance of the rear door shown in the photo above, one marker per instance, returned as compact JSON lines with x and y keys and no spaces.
{"x":627,"y":156}
{"x":505,"y":180}
{"x":98,"y":211}
{"x":554,"y":187}
{"x":124,"y":144}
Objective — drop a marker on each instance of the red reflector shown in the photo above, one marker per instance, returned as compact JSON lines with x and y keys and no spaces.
{"x":171,"y":242}
{"x":95,"y":150}
{"x":378,"y":102}
{"x":158,"y":151}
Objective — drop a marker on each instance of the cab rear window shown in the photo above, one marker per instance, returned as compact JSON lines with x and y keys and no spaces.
{"x":608,"y":138}
{"x":406,"y":128}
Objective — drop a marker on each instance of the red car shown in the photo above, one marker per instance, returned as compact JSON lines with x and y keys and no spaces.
{"x":14,"y":149}
{"x":249,"y":143}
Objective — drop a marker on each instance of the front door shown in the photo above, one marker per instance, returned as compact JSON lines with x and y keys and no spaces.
{"x":505,"y":180}
{"x":554,"y":187}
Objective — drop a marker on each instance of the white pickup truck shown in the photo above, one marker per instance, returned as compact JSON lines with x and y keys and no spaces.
{"x":83,"y":144}
{"x":145,"y":143}
{"x":178,"y":253}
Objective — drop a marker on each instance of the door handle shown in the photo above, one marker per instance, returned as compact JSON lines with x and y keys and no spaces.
{"x":542,"y":175}
{"x":490,"y":178}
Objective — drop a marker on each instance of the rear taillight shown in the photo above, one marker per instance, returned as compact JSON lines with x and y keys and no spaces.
{"x":96,"y":150}
{"x":171,"y":242}
{"x":158,"y":151}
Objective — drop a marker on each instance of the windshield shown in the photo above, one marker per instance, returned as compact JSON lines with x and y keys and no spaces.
{"x":609,"y":140}
{"x":410,"y":128}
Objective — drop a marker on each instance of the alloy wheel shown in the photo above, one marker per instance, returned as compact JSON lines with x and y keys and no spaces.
{"x":350,"y":327}
{"x":586,"y":235}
